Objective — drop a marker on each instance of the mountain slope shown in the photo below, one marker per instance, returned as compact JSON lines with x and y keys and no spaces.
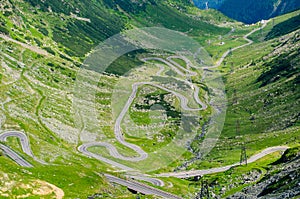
{"x":78,"y":26}
{"x":262,"y":86}
{"x":37,"y":92}
{"x":41,"y":51}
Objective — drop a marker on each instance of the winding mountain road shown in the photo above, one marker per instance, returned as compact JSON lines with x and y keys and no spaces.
{"x":24,"y":145}
{"x":120,"y":138}
{"x":238,"y":47}
{"x":187,"y":174}
{"x":183,"y":102}
{"x":23,"y":140}
{"x":12,"y":154}
{"x":84,"y":149}
{"x":142,"y":155}
{"x":172,"y":64}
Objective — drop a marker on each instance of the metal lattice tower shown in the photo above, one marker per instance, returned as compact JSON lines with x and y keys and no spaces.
{"x":243,"y":158}
{"x":237,"y":128}
{"x":204,"y":192}
{"x":188,"y":78}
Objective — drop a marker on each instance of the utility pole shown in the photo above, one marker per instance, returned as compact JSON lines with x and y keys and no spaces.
{"x":231,"y":67}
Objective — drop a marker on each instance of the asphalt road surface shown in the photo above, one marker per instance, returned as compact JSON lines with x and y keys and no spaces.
{"x":24,"y":144}
{"x":139,"y":187}
{"x":22,"y":137}
{"x":233,"y":49}
{"x":154,"y":181}
{"x":143,"y":155}
{"x":83,"y":149}
{"x":14,"y":156}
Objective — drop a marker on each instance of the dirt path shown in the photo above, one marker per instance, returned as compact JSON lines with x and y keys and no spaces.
{"x":29,"y":47}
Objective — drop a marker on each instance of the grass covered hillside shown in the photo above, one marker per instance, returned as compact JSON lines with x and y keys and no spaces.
{"x":42,"y":44}
{"x":264,"y":89}
{"x":76,"y":27}
{"x":262,"y":84}
{"x":263,"y":93}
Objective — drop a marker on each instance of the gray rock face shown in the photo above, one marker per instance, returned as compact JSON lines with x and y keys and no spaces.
{"x":282,"y":181}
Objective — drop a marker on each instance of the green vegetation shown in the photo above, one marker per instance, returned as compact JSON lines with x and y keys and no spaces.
{"x":284,"y":28}
{"x":158,"y":99}
{"x":260,"y":36}
{"x":78,"y":26}
{"x":125,"y":63}
{"x":282,"y":68}
{"x":256,"y":72}
{"x":36,"y":94}
{"x":235,"y":179}
{"x":289,"y":155}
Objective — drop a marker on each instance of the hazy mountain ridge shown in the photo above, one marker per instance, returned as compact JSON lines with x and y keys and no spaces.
{"x":251,"y":11}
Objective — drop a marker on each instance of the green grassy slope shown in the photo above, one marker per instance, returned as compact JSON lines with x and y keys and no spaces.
{"x":285,"y":27}
{"x":269,"y":29}
{"x":98,"y":20}
{"x":262,"y":96}
{"x":262,"y":85}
